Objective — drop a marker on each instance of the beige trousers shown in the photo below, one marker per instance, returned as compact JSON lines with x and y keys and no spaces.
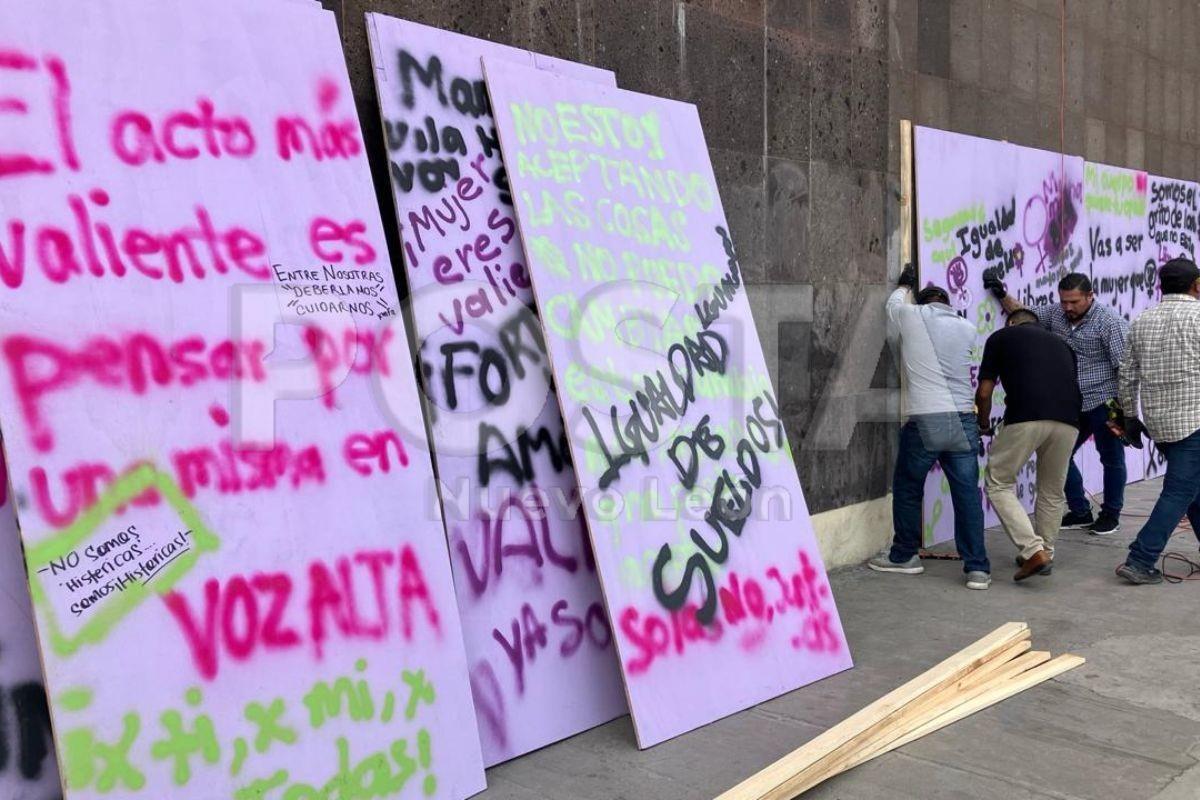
{"x":1014,"y":444}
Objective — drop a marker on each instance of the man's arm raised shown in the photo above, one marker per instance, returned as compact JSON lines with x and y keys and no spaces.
{"x":993,"y":283}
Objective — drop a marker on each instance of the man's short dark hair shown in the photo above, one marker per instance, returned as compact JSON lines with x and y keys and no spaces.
{"x":1022,"y":316}
{"x":1075,"y":281}
{"x":1178,"y":275}
{"x":933,"y":294}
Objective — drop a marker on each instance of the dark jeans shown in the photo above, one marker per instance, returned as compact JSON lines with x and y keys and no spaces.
{"x":1180,"y":496}
{"x":953,"y":441}
{"x":1112,"y":456}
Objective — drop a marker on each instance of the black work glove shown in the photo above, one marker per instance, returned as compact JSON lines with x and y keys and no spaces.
{"x":1134,"y":429}
{"x":1128,"y":429}
{"x":992,"y":282}
{"x":908,"y":277}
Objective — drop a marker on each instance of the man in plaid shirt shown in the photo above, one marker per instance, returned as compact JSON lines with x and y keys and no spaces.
{"x":1162,"y":368}
{"x":1096,"y":333}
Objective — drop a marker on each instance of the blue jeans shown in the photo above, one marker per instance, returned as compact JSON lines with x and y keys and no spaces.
{"x":1180,"y":496}
{"x":1112,"y":456}
{"x":953,"y":441}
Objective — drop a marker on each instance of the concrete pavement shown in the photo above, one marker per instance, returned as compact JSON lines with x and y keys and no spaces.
{"x":1125,"y":725}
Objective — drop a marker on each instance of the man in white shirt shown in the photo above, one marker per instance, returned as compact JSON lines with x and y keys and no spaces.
{"x":935,"y":346}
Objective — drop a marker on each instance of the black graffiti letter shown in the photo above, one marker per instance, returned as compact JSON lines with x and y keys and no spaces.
{"x":675,"y":600}
{"x":429,"y":75}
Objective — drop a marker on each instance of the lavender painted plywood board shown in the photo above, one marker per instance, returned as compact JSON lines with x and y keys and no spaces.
{"x":1120,"y":259}
{"x":518,"y":542}
{"x":1130,"y":223}
{"x":669,"y":408}
{"x":230,"y":604}
{"x":1172,"y":221}
{"x":1172,"y":218}
{"x":982,"y":204}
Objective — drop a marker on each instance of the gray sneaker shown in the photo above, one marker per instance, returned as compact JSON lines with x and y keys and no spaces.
{"x":1139,"y":575}
{"x":978,"y":580}
{"x":883,"y":563}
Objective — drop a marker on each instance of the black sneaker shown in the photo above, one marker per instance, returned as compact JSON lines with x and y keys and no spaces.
{"x":1046,"y":570}
{"x":1105,"y":525}
{"x":1077,"y":522}
{"x":1139,"y":575}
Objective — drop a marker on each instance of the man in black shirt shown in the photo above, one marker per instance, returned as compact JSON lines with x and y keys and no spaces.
{"x":1037,"y":370}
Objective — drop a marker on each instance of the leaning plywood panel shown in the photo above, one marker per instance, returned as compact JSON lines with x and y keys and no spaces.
{"x":706,"y":553}
{"x":240,"y":581}
{"x":28,"y":769}
{"x":539,"y":643}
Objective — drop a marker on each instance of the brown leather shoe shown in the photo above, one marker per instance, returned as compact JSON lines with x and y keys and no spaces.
{"x":1046,"y":570}
{"x":1032,"y":566}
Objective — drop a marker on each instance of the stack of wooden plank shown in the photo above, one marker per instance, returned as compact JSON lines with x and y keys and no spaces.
{"x":995,"y":668}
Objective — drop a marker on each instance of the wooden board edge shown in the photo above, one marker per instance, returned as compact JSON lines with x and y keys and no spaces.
{"x":999,"y":677}
{"x":1003,"y":688}
{"x":883,"y":734}
{"x":775,"y":776}
{"x":1006,"y":684}
{"x":1014,"y":685}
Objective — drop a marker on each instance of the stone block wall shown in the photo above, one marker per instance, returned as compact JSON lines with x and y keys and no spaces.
{"x":801,"y":102}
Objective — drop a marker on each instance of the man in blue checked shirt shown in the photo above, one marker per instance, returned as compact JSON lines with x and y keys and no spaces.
{"x":1096,"y":333}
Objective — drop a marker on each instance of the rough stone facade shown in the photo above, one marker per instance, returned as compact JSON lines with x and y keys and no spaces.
{"x":801,"y":102}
